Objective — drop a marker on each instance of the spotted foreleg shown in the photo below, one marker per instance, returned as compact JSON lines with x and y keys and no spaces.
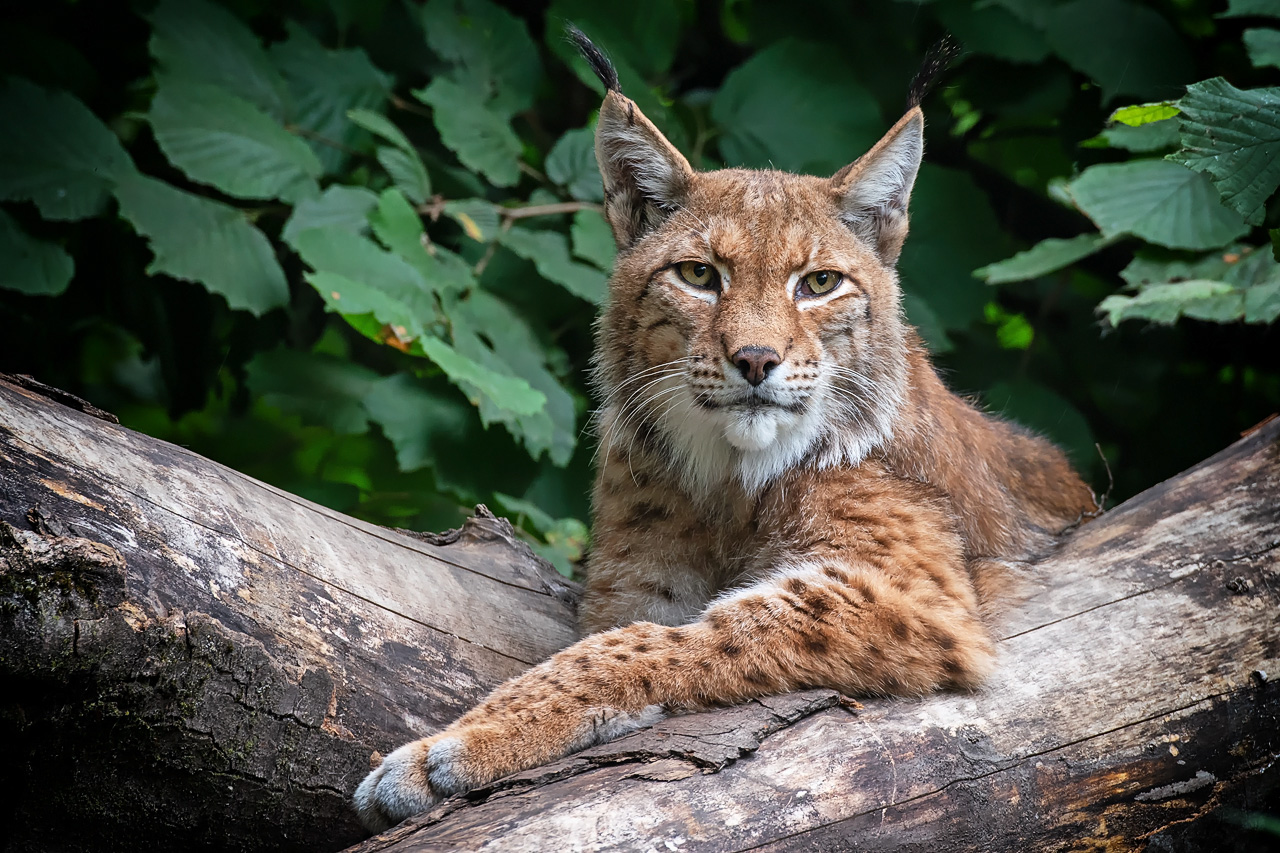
{"x":811,"y":624}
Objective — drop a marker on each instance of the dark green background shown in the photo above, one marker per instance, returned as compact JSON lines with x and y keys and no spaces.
{"x":802,"y":85}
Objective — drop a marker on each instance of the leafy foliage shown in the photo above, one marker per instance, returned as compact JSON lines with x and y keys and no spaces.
{"x":355,"y":249}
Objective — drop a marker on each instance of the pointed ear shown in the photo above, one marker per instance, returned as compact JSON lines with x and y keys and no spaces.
{"x":645,"y":178}
{"x":872,"y":192}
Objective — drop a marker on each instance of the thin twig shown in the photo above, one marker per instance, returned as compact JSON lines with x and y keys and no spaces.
{"x":324,"y":140}
{"x":478,"y":270}
{"x":547,"y":209}
{"x":532,"y":172}
{"x":1101,"y":503}
{"x":409,"y":106}
{"x":436,"y":206}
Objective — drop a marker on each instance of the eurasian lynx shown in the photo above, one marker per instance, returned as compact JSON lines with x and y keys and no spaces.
{"x":787,"y":496}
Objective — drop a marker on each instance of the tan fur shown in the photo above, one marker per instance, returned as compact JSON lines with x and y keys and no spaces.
{"x":838,"y":526}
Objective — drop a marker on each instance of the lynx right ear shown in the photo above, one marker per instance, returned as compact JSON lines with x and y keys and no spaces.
{"x":645,"y":177}
{"x":872,"y":192}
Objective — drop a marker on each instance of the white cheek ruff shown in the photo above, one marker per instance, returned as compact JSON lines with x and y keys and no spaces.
{"x":756,"y":447}
{"x":816,"y":425}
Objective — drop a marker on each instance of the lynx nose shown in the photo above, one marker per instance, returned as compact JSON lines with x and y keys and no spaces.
{"x":755,"y":363}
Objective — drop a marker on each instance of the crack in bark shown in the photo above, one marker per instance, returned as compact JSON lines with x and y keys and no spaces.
{"x":1178,"y":578}
{"x":1012,"y":764}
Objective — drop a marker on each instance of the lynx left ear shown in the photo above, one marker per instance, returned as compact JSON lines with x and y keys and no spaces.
{"x":645,"y":177}
{"x":872,"y":192}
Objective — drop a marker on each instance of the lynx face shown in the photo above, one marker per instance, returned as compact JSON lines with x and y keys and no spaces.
{"x":755,"y":317}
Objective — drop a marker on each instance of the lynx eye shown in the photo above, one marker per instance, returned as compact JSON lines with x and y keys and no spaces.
{"x":820,"y":282}
{"x":698,"y":274}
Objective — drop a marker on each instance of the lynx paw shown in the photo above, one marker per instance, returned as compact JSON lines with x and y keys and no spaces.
{"x":411,"y":780}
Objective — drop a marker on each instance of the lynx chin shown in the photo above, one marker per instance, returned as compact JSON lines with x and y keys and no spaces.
{"x":787,"y":495}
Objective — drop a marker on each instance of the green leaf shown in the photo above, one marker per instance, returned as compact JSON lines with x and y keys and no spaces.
{"x":222,"y":140}
{"x":1140,"y":114}
{"x":477,"y":217}
{"x":592,"y":239}
{"x":1145,"y":270}
{"x":205,"y":241}
{"x":324,"y":85}
{"x":943,"y":248}
{"x":766,"y":99}
{"x":1043,"y":258}
{"x":380,"y":125}
{"x":571,"y":163}
{"x":1160,"y":201}
{"x":402,"y":162}
{"x":1242,"y":283}
{"x":342,"y":206}
{"x":549,"y":252}
{"x":1151,"y":136}
{"x":507,"y":392}
{"x":1128,"y":49}
{"x":204,"y":43}
{"x":482,"y":138}
{"x":55,"y":152}
{"x":375,"y":281}
{"x":1250,"y":8}
{"x":321,"y":389}
{"x":31,"y":266}
{"x":357,"y":279}
{"x":1275,"y":243}
{"x":1013,"y":329}
{"x":407,"y":173}
{"x":399,"y":228}
{"x":1234,"y":137}
{"x":1263,"y":47}
{"x":487,"y":330}
{"x":380,"y":300}
{"x":1262,"y":303}
{"x":1165,"y":303}
{"x":497,"y":62}
{"x":423,"y":425}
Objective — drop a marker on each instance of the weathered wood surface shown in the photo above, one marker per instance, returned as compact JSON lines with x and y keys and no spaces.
{"x":1135,"y":693}
{"x":191,"y":659}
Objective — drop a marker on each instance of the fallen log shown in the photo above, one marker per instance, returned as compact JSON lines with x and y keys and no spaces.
{"x":190,"y":658}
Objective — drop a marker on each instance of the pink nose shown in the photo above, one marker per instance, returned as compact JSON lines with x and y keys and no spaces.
{"x":755,"y":363}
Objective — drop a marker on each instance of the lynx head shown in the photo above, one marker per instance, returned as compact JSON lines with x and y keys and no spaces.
{"x":754,"y":320}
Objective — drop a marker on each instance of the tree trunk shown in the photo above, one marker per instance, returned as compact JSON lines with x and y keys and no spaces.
{"x":190,"y":658}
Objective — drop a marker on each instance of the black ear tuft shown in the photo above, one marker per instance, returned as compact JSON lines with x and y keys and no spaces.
{"x":943,"y":53}
{"x":595,"y":57}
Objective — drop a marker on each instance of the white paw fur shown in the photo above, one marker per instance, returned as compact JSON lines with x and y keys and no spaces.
{"x":396,"y":789}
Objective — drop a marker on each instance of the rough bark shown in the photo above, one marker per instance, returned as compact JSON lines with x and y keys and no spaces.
{"x":190,"y":658}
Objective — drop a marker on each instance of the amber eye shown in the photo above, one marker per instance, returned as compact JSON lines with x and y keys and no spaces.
{"x":820,"y":282}
{"x":698,"y":274}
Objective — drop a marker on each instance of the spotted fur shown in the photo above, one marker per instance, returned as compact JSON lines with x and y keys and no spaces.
{"x":828,"y":515}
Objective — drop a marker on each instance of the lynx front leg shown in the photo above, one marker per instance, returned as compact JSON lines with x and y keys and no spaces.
{"x":813,"y":624}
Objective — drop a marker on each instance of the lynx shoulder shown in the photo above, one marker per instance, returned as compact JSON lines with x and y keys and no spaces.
{"x":787,"y":495}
